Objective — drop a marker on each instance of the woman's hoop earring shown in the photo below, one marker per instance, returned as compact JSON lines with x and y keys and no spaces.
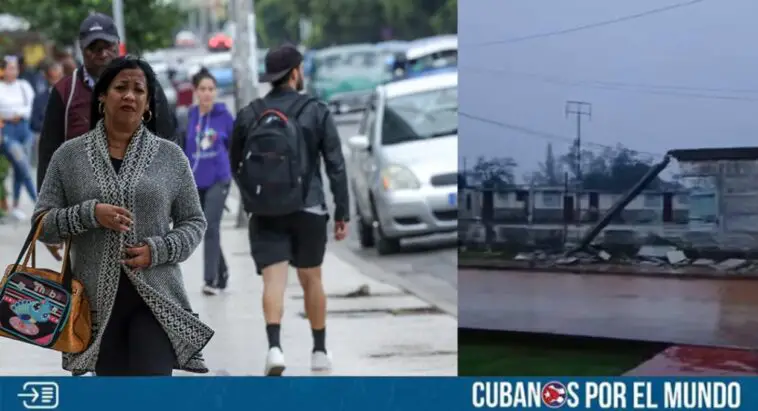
{"x":149,"y":116}
{"x":101,"y":108}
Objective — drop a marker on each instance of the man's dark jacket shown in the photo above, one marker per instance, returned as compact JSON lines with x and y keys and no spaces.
{"x":54,"y":131}
{"x":38,"y":110}
{"x":318,"y":125}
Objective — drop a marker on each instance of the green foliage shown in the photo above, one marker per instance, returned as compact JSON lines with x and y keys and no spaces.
{"x":150,"y":24}
{"x":354,"y":21}
{"x":612,"y":169}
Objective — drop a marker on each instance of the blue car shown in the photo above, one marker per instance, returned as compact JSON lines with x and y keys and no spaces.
{"x":224,"y":79}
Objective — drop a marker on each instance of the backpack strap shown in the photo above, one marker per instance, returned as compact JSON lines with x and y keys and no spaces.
{"x":293,"y":113}
{"x":68,"y":104}
{"x":296,"y":109}
{"x":259,"y":107}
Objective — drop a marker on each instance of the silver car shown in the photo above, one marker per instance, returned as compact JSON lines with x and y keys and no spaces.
{"x":404,"y":162}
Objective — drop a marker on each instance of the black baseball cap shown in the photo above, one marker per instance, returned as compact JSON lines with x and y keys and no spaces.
{"x":280,"y":61}
{"x":98,"y":26}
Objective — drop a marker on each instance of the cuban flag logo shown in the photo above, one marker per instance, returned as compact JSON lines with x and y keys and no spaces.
{"x":554,"y":394}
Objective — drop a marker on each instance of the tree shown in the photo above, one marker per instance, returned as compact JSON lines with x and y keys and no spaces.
{"x":614,"y":170}
{"x":462,"y":180}
{"x":354,"y":21}
{"x":150,"y":24}
{"x":494,"y":172}
{"x":549,"y":173}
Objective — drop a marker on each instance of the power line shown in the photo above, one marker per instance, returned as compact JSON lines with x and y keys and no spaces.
{"x":660,"y":90}
{"x":547,"y":135}
{"x":587,"y":26}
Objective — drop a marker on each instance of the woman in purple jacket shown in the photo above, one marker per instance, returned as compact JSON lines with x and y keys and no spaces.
{"x":209,"y":132}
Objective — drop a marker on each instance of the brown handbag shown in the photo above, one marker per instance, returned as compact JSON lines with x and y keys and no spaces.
{"x":43,"y":307}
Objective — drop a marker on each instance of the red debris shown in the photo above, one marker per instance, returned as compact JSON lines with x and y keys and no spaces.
{"x":687,"y":360}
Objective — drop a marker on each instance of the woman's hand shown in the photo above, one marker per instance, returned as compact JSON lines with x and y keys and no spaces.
{"x":139,"y":256}
{"x":113,"y":217}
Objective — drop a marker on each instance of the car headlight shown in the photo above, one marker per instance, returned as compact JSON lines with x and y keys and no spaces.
{"x":397,"y":177}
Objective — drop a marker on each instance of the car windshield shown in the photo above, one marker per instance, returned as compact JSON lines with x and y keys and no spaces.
{"x":420,"y":116}
{"x":340,"y":64}
{"x":441,"y":59}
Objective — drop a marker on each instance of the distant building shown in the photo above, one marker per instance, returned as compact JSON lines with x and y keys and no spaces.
{"x":551,"y":205}
{"x":724,"y":194}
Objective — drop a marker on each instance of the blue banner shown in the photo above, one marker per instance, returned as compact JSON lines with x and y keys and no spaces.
{"x":375,"y":394}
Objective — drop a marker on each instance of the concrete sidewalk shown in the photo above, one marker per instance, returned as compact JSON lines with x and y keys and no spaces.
{"x":387,"y":333}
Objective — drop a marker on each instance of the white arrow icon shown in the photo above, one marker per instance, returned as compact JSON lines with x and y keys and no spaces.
{"x":34,"y":394}
{"x":40,"y":395}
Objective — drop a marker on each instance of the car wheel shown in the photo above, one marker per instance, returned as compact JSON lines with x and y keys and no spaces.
{"x":384,"y":244}
{"x":365,"y":231}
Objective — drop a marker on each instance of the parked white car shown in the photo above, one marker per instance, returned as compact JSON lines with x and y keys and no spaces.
{"x":404,"y":168}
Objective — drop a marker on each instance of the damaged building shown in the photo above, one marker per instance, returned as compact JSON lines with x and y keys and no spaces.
{"x":716,"y":210}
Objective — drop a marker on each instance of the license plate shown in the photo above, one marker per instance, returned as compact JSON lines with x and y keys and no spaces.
{"x":452,"y":199}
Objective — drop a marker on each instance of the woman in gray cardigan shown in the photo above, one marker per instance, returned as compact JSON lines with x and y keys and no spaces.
{"x":127,"y":199}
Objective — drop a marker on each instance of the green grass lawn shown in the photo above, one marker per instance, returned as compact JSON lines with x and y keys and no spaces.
{"x":520,"y":354}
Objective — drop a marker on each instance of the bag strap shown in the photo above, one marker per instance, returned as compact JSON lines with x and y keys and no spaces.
{"x":68,"y":103}
{"x":297,"y":108}
{"x":259,"y":108}
{"x":29,"y":250}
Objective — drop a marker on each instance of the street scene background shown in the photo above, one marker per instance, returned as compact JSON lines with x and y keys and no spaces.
{"x":387,"y":315}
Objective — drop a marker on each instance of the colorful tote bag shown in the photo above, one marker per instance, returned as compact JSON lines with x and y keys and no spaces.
{"x":43,"y":307}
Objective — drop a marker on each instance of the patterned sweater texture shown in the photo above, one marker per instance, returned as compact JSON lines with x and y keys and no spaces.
{"x":155,"y":183}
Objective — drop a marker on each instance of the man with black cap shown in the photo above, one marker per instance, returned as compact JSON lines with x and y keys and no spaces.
{"x":68,"y":109}
{"x":289,"y":215}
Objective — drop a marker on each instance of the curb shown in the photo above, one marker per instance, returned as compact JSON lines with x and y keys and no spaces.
{"x":417,"y":290}
{"x":606,"y":270}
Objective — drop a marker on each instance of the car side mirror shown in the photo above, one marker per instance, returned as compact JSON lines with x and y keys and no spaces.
{"x":359,"y":143}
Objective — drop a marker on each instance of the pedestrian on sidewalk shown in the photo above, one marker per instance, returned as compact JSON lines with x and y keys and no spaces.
{"x":209,"y":133}
{"x":53,"y":72}
{"x":277,"y":147}
{"x":68,"y":110}
{"x":129,"y":232}
{"x":16,"y":98}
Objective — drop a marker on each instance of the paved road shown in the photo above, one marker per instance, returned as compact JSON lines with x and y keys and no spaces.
{"x":711,"y":312}
{"x":426,"y":267}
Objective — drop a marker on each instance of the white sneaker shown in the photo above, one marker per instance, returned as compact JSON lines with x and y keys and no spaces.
{"x":321,"y":361}
{"x":274,"y":363}
{"x":208,"y":290}
{"x":18,"y":214}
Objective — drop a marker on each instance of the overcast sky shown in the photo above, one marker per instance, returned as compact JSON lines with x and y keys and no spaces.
{"x":707,"y":49}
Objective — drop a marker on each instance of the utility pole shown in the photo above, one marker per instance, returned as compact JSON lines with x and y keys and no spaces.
{"x":118,"y":18}
{"x":245,"y":63}
{"x":578,"y":109}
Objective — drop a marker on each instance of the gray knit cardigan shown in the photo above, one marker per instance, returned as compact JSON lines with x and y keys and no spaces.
{"x":156,"y":184}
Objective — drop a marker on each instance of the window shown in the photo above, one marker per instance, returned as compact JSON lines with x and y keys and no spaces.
{"x":420,"y":116}
{"x":653,"y":201}
{"x":551,"y":199}
{"x":468,"y":201}
{"x":703,"y":207}
{"x":445,"y":58}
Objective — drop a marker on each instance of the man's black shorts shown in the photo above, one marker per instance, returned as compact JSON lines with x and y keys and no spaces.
{"x":298,"y":238}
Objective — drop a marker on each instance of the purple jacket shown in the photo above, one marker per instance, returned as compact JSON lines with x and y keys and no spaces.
{"x":207,"y":145}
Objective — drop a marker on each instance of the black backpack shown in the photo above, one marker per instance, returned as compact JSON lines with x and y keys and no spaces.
{"x":276,"y":168}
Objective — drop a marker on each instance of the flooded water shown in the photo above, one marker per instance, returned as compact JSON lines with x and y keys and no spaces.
{"x":699,"y":361}
{"x":706,"y":312}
